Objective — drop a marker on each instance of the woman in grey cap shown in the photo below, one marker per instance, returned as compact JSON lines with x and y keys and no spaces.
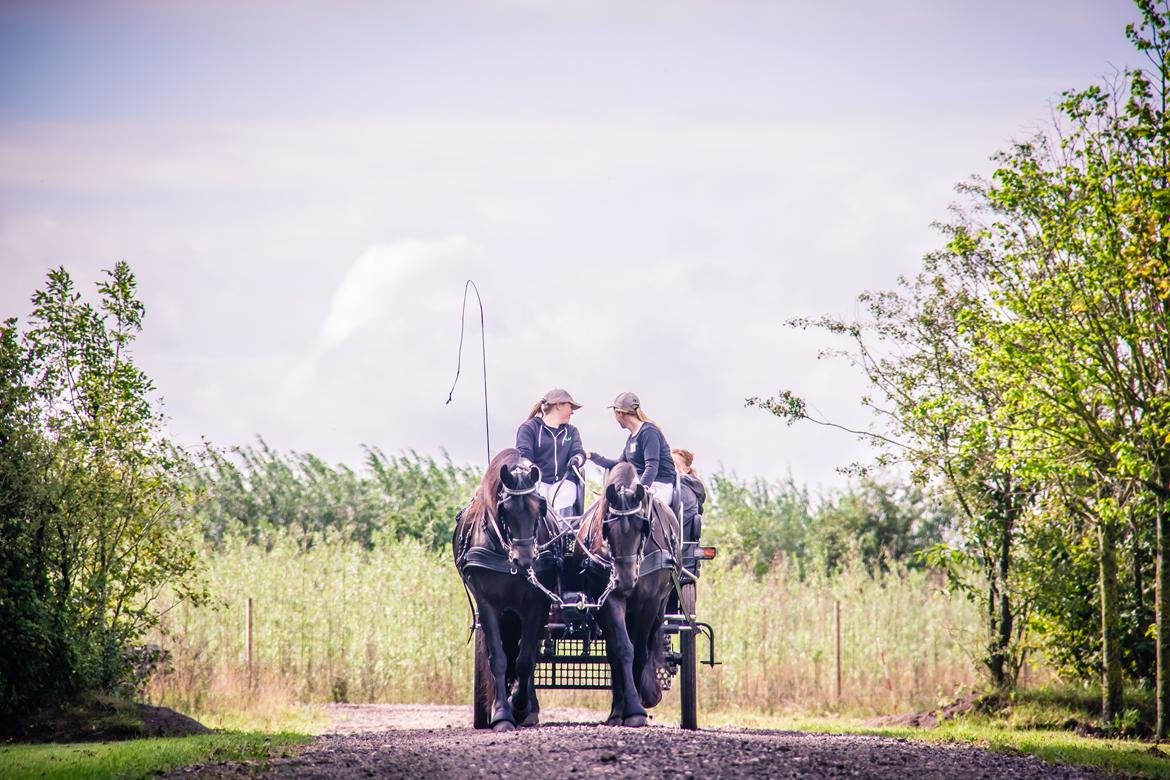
{"x":646,"y":448}
{"x":547,"y":439}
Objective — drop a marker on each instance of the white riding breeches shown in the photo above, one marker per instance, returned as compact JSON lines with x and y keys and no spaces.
{"x":560,"y":495}
{"x":663,"y":491}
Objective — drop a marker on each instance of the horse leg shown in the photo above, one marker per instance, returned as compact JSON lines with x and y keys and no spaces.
{"x":533,"y":716}
{"x":617,"y":697}
{"x":650,"y":652}
{"x":502,"y":717}
{"x":637,"y":629}
{"x":618,"y":643}
{"x":524,"y":705}
{"x":650,"y":657}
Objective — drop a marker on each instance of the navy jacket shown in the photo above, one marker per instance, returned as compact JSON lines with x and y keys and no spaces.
{"x":648,"y":452}
{"x":549,"y":448}
{"x":694,"y":494}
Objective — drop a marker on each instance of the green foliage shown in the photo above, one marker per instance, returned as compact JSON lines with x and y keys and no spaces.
{"x":1071,"y":239}
{"x":32,"y":651}
{"x":1059,"y":568}
{"x":883,"y":522}
{"x":879,"y":522}
{"x":92,"y":501}
{"x":936,"y":415}
{"x":421,"y":495}
{"x":255,"y":491}
{"x":755,"y":522}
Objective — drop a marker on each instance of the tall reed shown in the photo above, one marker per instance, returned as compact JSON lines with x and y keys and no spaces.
{"x":339,"y":622}
{"x":904,"y":642}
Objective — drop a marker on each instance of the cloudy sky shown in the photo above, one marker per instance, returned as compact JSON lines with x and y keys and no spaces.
{"x":643,"y":191}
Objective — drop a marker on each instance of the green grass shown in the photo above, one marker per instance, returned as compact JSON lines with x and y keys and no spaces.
{"x":279,"y":717}
{"x":137,"y":757}
{"x":1120,"y":757}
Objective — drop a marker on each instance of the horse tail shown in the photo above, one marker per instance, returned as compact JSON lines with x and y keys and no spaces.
{"x":484,"y":685}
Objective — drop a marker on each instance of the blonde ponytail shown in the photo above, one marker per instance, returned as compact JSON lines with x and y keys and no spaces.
{"x":643,"y":417}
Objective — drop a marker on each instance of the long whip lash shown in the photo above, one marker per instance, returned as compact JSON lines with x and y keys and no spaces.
{"x":483,"y":354}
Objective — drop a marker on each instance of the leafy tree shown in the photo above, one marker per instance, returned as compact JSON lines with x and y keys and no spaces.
{"x":1042,"y":395}
{"x":92,"y":501}
{"x":755,"y":522}
{"x":936,"y":414}
{"x":883,"y":522}
{"x":32,"y":654}
{"x":1059,"y":570}
{"x":878,"y":522}
{"x":1074,"y":250}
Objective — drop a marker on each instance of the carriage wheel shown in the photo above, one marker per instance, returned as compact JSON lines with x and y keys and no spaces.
{"x":481,"y":693}
{"x":688,"y":688}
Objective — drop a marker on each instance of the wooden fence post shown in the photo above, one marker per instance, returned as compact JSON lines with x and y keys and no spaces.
{"x":837,"y":622}
{"x":248,"y":642}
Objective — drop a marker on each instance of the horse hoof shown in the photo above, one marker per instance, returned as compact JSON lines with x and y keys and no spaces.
{"x":634,"y":721}
{"x":533,"y":719}
{"x":614,"y":720}
{"x":504,"y":725}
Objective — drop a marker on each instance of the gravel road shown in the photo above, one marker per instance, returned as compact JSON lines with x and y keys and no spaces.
{"x":435,"y":742}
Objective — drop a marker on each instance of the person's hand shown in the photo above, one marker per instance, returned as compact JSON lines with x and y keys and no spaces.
{"x":578,"y":460}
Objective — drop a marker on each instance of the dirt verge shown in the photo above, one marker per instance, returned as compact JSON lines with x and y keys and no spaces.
{"x":100,"y":719}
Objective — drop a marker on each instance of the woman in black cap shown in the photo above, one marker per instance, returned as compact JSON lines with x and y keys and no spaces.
{"x":547,"y":439}
{"x":646,"y":448}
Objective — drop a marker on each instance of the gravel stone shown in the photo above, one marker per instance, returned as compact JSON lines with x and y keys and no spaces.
{"x":424,"y":741}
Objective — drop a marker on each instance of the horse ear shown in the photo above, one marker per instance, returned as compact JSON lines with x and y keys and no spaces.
{"x":506,"y":478}
{"x":534,"y":474}
{"x":611,"y":494}
{"x":640,"y":492}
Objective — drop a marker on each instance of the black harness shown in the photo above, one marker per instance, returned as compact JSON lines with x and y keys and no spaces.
{"x":496,"y":558}
{"x":648,"y":563}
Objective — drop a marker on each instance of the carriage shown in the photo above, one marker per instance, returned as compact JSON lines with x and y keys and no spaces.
{"x":572,"y":653}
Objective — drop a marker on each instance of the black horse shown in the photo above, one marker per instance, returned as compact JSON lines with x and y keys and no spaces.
{"x":627,"y":546}
{"x":503,"y":545}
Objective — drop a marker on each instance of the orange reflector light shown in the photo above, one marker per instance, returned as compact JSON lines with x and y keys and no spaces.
{"x":707,"y":553}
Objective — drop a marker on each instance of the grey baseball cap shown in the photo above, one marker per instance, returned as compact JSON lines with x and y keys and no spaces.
{"x":560,"y":396}
{"x":626,"y":402}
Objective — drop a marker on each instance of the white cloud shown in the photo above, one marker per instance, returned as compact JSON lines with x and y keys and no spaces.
{"x":303,"y":279}
{"x":373,"y":282}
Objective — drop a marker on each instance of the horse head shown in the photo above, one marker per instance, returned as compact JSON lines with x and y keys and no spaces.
{"x":625,"y":529}
{"x":519,"y":509}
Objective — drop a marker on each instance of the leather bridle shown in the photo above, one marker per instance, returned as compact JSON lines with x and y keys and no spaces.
{"x":500,"y":530}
